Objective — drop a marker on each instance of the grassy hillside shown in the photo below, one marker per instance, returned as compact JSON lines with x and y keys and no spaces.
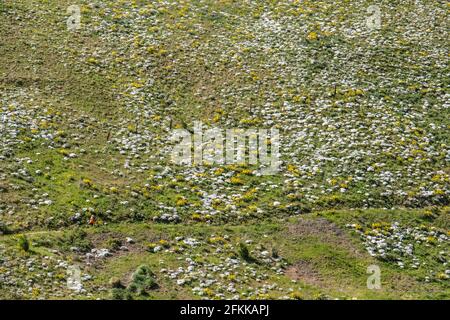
{"x":86,"y":120}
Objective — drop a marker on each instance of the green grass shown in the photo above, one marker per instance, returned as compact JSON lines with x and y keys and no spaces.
{"x":345,"y":100}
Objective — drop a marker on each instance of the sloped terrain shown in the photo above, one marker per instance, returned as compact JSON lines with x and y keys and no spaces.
{"x":86,"y":122}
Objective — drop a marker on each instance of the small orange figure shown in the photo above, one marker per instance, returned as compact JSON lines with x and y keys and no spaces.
{"x":92,"y":220}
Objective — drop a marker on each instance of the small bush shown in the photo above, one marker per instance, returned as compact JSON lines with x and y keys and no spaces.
{"x":4,"y":229}
{"x":142,"y":281}
{"x":114,"y":244}
{"x":24,"y":244}
{"x":275,"y":253}
{"x":244,"y":253}
{"x":77,"y":238}
{"x":115,"y":283}
{"x":120,"y":294}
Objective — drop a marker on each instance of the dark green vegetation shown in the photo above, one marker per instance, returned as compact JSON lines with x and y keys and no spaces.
{"x":86,"y":118}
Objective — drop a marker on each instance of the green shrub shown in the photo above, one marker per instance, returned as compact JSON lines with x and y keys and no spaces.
{"x":4,"y":229}
{"x":76,"y":238}
{"x":244,"y":253}
{"x":275,"y":253}
{"x":114,"y":244}
{"x":120,"y":294}
{"x":24,"y":244}
{"x":115,"y":283}
{"x":142,"y":281}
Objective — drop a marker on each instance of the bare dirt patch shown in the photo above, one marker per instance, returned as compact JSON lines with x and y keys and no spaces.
{"x":325,"y":231}
{"x":305,"y":272}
